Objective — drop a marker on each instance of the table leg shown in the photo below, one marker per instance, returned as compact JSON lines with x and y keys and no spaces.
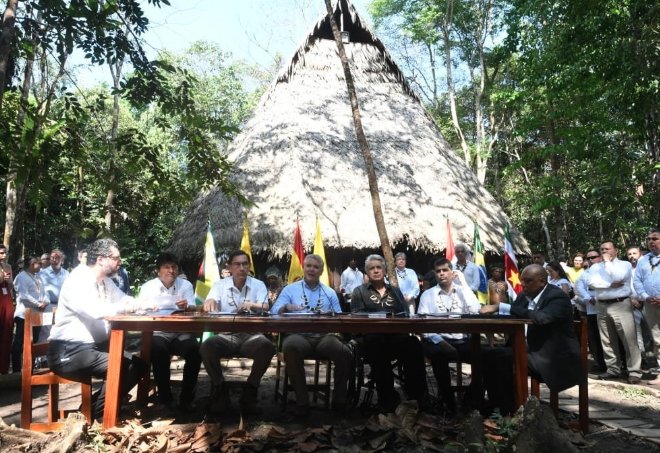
{"x":145,"y":354}
{"x":476,"y":381}
{"x":113,"y":379}
{"x":520,"y":365}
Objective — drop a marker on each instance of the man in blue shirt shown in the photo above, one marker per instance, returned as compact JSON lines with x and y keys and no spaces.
{"x":310,"y":295}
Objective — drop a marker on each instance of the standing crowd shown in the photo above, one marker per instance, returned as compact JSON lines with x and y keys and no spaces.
{"x":620,"y":300}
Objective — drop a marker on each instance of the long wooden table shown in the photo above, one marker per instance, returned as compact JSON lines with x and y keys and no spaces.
{"x":343,"y":323}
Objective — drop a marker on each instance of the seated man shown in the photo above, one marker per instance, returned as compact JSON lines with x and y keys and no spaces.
{"x":235,"y":294}
{"x":79,"y":338}
{"x":310,"y":295}
{"x":381,"y":349}
{"x":169,"y":291}
{"x":447,"y":297}
{"x":553,"y":351}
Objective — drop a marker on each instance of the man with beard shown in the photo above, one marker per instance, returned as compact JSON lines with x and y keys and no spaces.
{"x":79,"y":338}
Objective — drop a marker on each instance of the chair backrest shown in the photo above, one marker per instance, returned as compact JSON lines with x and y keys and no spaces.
{"x":34,"y":318}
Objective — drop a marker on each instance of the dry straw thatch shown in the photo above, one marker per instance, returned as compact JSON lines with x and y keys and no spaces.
{"x":298,"y":154}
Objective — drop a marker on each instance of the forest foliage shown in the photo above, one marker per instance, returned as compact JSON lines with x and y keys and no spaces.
{"x":554,"y":105}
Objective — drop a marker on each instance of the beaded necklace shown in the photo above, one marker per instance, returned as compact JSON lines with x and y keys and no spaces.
{"x":232,"y":302}
{"x":455,"y":303}
{"x":306,"y":301}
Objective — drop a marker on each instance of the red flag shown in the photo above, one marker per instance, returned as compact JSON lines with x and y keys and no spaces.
{"x":449,"y":253}
{"x":511,"y":266}
{"x":297,"y":256}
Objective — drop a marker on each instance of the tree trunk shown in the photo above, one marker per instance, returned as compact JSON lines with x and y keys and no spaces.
{"x":6,"y":40}
{"x":13,"y":186}
{"x":110,"y":197}
{"x":445,"y":25}
{"x":366,"y":152}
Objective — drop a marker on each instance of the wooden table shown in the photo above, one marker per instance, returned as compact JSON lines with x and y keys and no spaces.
{"x":343,"y":323}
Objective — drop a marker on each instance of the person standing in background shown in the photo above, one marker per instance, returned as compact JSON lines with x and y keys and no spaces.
{"x":6,"y":310}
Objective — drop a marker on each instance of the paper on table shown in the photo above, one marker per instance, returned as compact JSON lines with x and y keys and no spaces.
{"x":165,"y":301}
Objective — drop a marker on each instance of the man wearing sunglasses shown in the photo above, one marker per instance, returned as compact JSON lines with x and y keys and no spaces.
{"x":587,"y":302}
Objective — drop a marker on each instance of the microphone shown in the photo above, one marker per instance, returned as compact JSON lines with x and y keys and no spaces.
{"x":264,"y":313}
{"x":332,"y":308}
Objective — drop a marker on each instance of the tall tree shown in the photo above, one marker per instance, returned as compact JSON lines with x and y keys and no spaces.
{"x":364,"y":149}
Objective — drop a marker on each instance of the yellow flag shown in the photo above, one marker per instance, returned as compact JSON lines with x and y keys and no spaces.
{"x":245,"y":244}
{"x":297,"y":256}
{"x":320,"y":251}
{"x":208,"y":270}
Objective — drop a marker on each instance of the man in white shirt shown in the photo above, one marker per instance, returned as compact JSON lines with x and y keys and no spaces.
{"x":609,"y":281}
{"x":647,"y":287}
{"x":468,"y":268}
{"x":351,"y":278}
{"x":238,"y":293}
{"x":444,"y":298}
{"x":53,"y":277}
{"x":79,"y":339}
{"x":168,"y":291}
{"x":586,"y":302}
{"x":408,"y":283}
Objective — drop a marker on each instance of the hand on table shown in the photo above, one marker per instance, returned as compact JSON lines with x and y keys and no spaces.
{"x":210,"y":305}
{"x":489,"y":309}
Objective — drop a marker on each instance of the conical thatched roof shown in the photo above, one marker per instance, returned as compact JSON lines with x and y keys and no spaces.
{"x":298,"y":154}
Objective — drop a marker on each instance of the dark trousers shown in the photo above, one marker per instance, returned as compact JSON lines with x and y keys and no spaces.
{"x":73,"y":360}
{"x":6,"y":327}
{"x":17,"y":346}
{"x":595,"y":345}
{"x":498,"y":364}
{"x":440,"y":365}
{"x":162,"y":349}
{"x":381,"y":349}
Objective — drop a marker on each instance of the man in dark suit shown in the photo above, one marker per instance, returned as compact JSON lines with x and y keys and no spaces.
{"x":553,"y":351}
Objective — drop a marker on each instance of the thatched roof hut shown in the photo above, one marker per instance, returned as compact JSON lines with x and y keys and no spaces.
{"x":298,"y":154}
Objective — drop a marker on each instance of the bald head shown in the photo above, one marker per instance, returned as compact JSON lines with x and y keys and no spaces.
{"x":533,"y":279}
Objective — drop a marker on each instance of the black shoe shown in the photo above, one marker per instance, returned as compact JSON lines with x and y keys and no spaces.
{"x":219,"y":401}
{"x":249,"y":400}
{"x":634,"y":380}
{"x":609,"y":376}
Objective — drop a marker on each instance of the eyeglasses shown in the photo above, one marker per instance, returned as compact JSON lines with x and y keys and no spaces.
{"x":114,"y":257}
{"x":592,"y":257}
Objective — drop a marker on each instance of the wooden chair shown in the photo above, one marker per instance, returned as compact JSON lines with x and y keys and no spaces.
{"x":319,"y":389}
{"x":581,"y":330}
{"x":44,"y":377}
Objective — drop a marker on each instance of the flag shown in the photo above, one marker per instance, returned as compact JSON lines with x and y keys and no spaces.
{"x":297,"y":256}
{"x":245,"y":244}
{"x":208,"y":270}
{"x":511,"y":272}
{"x":320,"y":251}
{"x":449,"y":252}
{"x":482,"y":292}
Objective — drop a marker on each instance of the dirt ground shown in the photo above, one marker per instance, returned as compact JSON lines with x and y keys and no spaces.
{"x":638,"y":402}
